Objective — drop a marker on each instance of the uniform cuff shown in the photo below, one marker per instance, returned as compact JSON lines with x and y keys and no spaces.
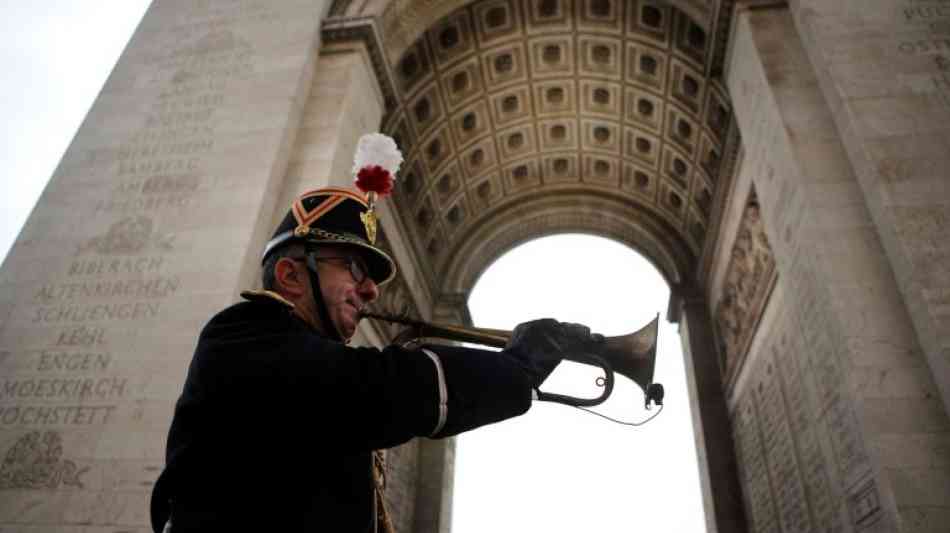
{"x":443,"y":391}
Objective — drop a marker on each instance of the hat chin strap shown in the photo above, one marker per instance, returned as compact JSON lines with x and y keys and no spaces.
{"x":328,"y":326}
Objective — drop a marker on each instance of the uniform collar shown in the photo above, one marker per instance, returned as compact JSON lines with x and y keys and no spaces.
{"x":270,"y":297}
{"x":263,"y":295}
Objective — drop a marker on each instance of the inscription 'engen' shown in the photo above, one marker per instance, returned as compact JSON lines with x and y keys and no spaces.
{"x":62,"y":361}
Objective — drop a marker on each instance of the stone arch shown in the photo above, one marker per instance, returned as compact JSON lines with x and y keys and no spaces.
{"x":612,"y":121}
{"x":501,"y":101}
{"x":554,"y":214}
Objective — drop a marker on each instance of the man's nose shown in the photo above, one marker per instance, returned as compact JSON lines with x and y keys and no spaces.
{"x":368,"y":290}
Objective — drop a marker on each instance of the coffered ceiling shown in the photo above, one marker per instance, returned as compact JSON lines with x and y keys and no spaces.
{"x":505,"y":101}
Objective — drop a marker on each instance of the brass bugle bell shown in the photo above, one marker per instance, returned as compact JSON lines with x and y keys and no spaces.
{"x":632,"y":355}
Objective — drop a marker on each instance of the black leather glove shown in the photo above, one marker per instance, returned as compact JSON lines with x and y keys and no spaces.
{"x":540,"y":345}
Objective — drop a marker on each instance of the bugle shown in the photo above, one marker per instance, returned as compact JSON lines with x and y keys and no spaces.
{"x":631,"y":355}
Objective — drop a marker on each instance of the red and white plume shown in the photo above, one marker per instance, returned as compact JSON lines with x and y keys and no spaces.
{"x":375,"y":164}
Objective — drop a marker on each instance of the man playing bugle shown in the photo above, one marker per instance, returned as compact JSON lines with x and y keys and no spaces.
{"x":279,"y":421}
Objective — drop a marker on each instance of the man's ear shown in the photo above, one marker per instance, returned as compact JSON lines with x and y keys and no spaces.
{"x":291,"y":277}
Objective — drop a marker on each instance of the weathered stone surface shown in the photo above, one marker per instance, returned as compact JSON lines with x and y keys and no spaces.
{"x":519,"y":119}
{"x":863,"y":379}
{"x":885,"y":66}
{"x":137,"y":240}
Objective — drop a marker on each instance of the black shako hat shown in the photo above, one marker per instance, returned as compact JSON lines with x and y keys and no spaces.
{"x":334,"y":216}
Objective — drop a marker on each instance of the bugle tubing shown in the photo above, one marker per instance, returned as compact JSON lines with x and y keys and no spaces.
{"x":632,"y":355}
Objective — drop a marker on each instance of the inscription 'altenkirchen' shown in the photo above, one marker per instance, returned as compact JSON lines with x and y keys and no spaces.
{"x":159,"y":287}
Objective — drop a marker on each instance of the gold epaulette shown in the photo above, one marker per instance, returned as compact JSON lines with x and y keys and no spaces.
{"x":260,"y":295}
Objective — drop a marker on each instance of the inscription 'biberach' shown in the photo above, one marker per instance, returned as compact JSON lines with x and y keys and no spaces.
{"x":96,"y":267}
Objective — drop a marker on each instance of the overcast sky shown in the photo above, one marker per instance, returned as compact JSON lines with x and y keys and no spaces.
{"x":560,"y":470}
{"x":56,"y":55}
{"x":555,"y":469}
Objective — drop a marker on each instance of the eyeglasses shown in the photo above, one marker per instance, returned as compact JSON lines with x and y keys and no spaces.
{"x":356,"y":266}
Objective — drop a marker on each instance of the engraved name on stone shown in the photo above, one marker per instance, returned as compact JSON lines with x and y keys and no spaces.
{"x":759,"y":500}
{"x":160,"y":166}
{"x":846,"y":440}
{"x":73,"y":374}
{"x":49,"y":381}
{"x":780,"y":452}
{"x":812,"y":463}
{"x":928,"y":24}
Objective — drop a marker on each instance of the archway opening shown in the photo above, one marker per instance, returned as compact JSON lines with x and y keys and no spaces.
{"x":559,"y":469}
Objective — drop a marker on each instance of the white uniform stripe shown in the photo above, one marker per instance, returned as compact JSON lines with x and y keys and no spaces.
{"x":443,"y":391}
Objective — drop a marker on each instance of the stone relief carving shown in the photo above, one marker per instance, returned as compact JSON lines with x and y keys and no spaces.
{"x":750,"y":277}
{"x":35,"y":462}
{"x":130,"y":235}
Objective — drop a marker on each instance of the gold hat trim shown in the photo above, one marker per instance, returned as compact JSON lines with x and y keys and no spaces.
{"x":327,"y":237}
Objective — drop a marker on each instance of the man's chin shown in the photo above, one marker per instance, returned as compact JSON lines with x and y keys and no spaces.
{"x":348,"y":329}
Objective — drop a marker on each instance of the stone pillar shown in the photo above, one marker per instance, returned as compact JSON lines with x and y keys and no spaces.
{"x":884,"y":68}
{"x":722,"y":494}
{"x":437,"y":457}
{"x":839,"y":422}
{"x":435,"y":486}
{"x":137,"y":240}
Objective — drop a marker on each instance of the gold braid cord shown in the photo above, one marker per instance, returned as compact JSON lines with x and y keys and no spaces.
{"x":383,"y":523}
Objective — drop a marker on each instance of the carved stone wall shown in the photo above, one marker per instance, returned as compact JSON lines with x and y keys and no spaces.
{"x":749,"y":279}
{"x":519,"y":117}
{"x":794,"y":450}
{"x":836,"y":416}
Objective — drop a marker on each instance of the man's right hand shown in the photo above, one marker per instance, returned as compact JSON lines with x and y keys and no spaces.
{"x":540,"y":345}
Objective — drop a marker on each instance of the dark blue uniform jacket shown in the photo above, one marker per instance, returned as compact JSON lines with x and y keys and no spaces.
{"x":275,"y":427}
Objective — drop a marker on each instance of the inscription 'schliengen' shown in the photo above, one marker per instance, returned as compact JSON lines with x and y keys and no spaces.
{"x":96,"y":312}
{"x":158,"y":287}
{"x":51,"y":415}
{"x":63,"y":388}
